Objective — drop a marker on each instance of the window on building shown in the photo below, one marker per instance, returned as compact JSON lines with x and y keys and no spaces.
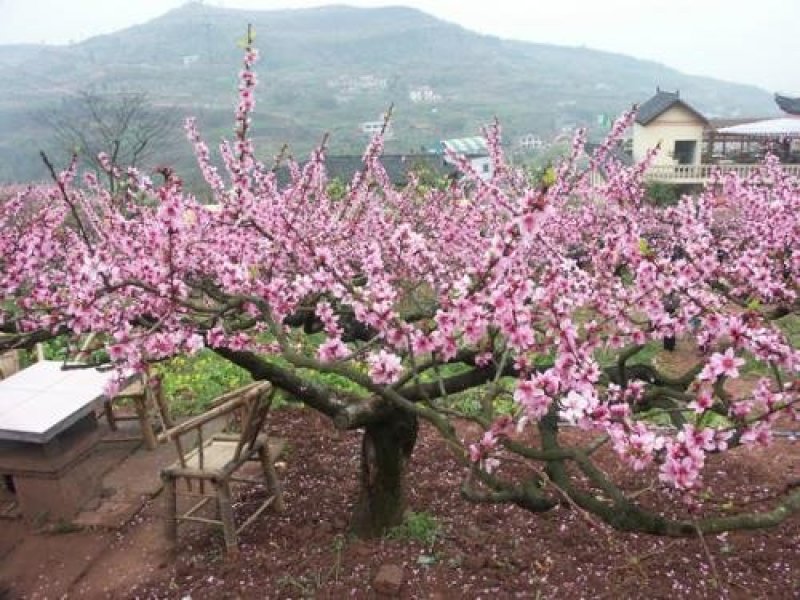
{"x":685,"y":151}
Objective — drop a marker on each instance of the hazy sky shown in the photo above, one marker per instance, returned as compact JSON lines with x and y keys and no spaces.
{"x":737,"y":40}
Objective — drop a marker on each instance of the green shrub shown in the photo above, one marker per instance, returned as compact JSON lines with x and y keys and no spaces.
{"x":662,"y":194}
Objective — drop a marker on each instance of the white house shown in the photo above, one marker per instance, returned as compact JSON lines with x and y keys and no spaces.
{"x":372,"y":128}
{"x":671,"y":124}
{"x":355,"y":84}
{"x":530,"y":141}
{"x":424,"y":95}
{"x":691,"y":149}
{"x":474,"y":149}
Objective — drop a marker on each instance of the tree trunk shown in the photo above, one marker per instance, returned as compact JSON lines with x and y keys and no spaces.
{"x":385,"y":451}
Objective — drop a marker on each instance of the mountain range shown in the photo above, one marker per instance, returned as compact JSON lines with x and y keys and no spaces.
{"x":329,"y":70}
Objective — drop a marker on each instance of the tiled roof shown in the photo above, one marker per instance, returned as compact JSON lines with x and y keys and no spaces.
{"x":616,"y":152}
{"x":787,"y":104}
{"x":470,"y":146}
{"x":661,"y":103}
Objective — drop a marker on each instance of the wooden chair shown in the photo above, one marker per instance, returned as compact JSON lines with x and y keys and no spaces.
{"x":145,"y":400}
{"x":9,"y":363}
{"x":216,"y":461}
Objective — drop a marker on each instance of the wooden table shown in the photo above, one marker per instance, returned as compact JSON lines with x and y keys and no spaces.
{"x":48,"y":429}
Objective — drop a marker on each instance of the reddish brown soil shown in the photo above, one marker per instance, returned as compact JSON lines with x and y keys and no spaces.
{"x":484,"y":551}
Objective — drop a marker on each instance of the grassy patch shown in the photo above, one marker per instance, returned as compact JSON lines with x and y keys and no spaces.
{"x":418,"y":526}
{"x":190,"y":383}
{"x":790,"y":325}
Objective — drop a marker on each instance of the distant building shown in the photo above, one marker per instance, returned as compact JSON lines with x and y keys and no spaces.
{"x":355,"y":84}
{"x":474,"y":149}
{"x":349,"y":87}
{"x":616,"y":152}
{"x":667,"y":121}
{"x":372,"y":128}
{"x":424,"y":95}
{"x":691,"y":148}
{"x":530,"y":141}
{"x":190,"y":59}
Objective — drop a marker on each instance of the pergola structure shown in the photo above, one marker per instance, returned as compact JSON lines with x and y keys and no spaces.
{"x":755,"y":138}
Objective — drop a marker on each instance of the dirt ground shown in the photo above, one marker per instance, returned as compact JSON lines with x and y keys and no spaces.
{"x":475,"y":552}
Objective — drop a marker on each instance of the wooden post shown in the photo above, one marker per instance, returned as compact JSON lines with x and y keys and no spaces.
{"x":273,"y":483}
{"x":161,"y":405}
{"x":109,"y":412}
{"x":226,"y":515}
{"x":144,"y":421}
{"x":171,"y":508}
{"x":200,"y":446}
{"x":9,"y":363}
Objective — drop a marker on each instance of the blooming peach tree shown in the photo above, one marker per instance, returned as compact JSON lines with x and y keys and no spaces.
{"x":538,"y":300}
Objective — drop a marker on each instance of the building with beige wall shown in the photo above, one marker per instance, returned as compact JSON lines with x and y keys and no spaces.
{"x":670,"y":123}
{"x":691,"y":149}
